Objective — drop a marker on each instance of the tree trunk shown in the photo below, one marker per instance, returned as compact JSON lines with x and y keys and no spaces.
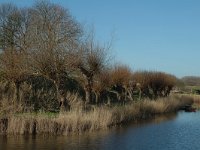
{"x":108,"y":101}
{"x":64,"y":105}
{"x":125,"y":91}
{"x":130,"y":94}
{"x":140,"y":94}
{"x":97,"y":97}
{"x":17,"y":90}
{"x":88,"y":91}
{"x":88,"y":96}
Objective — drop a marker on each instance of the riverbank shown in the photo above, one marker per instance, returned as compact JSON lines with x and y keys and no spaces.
{"x":102,"y":117}
{"x":196,"y":101}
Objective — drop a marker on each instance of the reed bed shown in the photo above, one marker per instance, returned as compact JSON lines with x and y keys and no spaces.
{"x":196,"y":99}
{"x":102,"y":117}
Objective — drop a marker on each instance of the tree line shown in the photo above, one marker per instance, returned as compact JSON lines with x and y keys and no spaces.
{"x":46,"y":54}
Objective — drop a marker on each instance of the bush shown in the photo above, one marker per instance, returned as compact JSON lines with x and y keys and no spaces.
{"x":155,"y":84}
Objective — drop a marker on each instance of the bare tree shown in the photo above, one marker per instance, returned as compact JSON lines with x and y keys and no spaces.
{"x":121,"y":78}
{"x":93,"y":60}
{"x":55,"y":34}
{"x":13,"y":43}
{"x":155,"y":84}
{"x":102,"y":84}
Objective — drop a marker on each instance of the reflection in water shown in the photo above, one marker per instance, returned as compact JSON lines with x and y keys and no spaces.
{"x":167,"y":132}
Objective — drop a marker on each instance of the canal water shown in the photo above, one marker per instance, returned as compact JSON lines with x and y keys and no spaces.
{"x":180,"y":131}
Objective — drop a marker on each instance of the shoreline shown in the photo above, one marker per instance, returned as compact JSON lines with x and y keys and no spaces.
{"x":83,"y":121}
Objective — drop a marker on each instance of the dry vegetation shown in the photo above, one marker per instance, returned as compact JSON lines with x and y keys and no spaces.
{"x":49,"y":64}
{"x":99,"y":118}
{"x":196,"y":100}
{"x":46,"y":54}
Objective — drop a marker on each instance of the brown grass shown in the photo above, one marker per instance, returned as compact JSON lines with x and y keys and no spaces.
{"x":196,"y":99}
{"x":100,"y":118}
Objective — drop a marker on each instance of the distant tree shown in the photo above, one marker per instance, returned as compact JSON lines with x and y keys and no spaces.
{"x":191,"y":80}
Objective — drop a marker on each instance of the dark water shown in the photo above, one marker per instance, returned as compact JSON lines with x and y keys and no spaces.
{"x":179,"y":131}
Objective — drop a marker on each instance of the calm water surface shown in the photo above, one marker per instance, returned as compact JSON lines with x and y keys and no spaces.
{"x":179,"y":131}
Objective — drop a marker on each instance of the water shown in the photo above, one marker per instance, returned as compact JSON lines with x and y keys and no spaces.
{"x":179,"y":131}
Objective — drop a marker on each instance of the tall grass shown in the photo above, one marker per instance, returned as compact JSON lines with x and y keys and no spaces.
{"x":99,"y":118}
{"x":196,"y":99}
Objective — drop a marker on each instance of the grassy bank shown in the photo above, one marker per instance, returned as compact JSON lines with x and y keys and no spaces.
{"x":99,"y":118}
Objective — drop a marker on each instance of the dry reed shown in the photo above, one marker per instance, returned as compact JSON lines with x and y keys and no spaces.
{"x":99,"y":118}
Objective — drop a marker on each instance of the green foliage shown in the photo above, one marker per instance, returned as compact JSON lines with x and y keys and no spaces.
{"x":196,"y":90}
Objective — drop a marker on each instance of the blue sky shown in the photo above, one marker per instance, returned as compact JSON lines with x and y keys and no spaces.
{"x":160,"y":35}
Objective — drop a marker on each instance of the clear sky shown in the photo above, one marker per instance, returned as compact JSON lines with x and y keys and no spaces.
{"x":159,"y":35}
